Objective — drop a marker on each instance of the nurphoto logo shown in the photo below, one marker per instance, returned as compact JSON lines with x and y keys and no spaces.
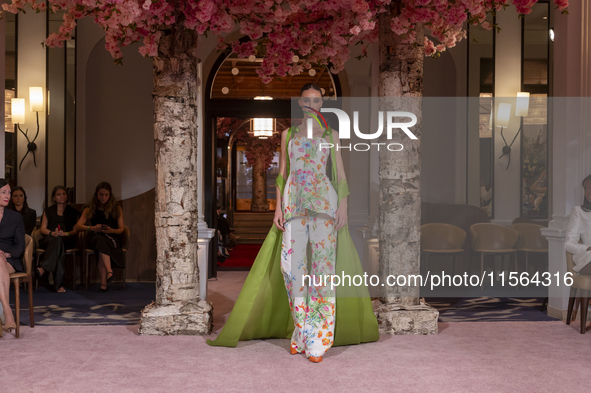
{"x":345,"y":128}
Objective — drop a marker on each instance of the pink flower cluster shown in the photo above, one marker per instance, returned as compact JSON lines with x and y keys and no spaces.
{"x":316,"y":31}
{"x":257,"y":149}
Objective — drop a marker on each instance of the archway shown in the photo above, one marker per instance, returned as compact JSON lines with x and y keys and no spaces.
{"x":230,"y":92}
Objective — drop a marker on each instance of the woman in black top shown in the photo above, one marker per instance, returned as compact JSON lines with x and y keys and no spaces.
{"x":106,"y":227}
{"x":18,"y":203}
{"x":12,"y":245}
{"x":59,"y":235}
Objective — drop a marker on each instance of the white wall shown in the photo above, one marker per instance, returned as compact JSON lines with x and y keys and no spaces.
{"x":117,"y":122}
{"x":31,"y":72}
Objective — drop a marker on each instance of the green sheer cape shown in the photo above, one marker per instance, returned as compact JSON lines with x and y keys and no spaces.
{"x":262,"y":308}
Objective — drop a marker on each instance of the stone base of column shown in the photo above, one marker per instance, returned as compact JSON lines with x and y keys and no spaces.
{"x":399,"y":319}
{"x":178,"y":318}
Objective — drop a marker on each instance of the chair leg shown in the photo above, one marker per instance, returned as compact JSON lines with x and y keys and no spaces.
{"x":584,"y":306}
{"x":526,"y":262}
{"x":17,"y":305}
{"x":87,"y":268}
{"x":124,"y":273}
{"x":571,"y":303}
{"x":577,"y":304}
{"x":481,"y":269}
{"x":34,"y":270}
{"x":31,"y":308}
{"x":73,"y":272}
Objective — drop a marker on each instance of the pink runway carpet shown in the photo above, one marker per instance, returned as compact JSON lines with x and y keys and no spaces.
{"x":464,"y":357}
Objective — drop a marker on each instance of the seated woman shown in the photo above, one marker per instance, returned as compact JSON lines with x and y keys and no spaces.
{"x":18,"y":203}
{"x":12,"y":245}
{"x":59,"y":235}
{"x":106,"y":227}
{"x":579,"y":228}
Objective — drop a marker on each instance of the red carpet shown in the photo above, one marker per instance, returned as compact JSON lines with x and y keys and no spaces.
{"x":241,"y":257}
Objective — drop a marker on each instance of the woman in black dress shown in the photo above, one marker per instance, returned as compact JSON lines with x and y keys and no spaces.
{"x":12,"y":245}
{"x":106,"y":227}
{"x":59,"y":235}
{"x":18,"y":203}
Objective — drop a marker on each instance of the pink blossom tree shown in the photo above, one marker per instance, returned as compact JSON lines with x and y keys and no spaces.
{"x":315,"y":31}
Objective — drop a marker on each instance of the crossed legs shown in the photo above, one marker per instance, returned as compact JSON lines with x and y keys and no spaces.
{"x":105,"y":270}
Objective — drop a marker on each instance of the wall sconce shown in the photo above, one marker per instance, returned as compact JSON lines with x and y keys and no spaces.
{"x":503,"y":114}
{"x":18,"y":117}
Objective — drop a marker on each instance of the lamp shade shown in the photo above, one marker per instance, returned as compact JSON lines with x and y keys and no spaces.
{"x":36,"y":99}
{"x":263,"y":127}
{"x":503,"y":114}
{"x":17,"y":110}
{"x":522,"y":104}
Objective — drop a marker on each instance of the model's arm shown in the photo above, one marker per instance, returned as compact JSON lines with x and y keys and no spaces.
{"x":278,"y":219}
{"x":573,"y":233}
{"x":341,"y":216}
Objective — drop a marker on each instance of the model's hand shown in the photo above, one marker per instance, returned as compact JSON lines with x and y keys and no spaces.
{"x":341,"y":216}
{"x":278,"y":219}
{"x":60,"y":233}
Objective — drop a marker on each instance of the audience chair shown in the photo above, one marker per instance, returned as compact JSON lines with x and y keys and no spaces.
{"x":580,"y":291}
{"x":37,"y":235}
{"x":88,"y":252}
{"x":442,"y":239}
{"x":494,"y":239}
{"x":27,"y":277}
{"x":531,"y":240}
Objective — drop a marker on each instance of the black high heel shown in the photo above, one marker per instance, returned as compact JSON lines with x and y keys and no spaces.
{"x":111,"y":277}
{"x":103,"y":288}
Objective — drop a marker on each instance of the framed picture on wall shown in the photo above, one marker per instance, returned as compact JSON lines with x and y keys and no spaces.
{"x":534,"y":160}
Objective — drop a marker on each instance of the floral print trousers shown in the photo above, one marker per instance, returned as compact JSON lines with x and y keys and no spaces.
{"x":311,"y":300}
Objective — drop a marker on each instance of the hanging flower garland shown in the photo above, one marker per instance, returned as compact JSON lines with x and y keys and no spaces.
{"x":299,"y":33}
{"x":226,"y":125}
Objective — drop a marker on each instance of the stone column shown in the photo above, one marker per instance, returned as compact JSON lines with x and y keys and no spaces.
{"x":178,"y":308}
{"x":401,"y":77}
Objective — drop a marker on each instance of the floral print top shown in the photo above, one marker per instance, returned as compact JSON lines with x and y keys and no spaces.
{"x":307,"y":186}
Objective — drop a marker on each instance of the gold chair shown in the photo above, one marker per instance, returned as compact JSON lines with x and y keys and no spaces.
{"x":531,"y":240}
{"x":493,"y":239}
{"x":443,"y":239}
{"x":37,"y":235}
{"x":580,"y":290}
{"x":88,"y":252}
{"x":27,"y":277}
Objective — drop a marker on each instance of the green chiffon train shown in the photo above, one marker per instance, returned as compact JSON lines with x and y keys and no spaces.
{"x":262,"y":308}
